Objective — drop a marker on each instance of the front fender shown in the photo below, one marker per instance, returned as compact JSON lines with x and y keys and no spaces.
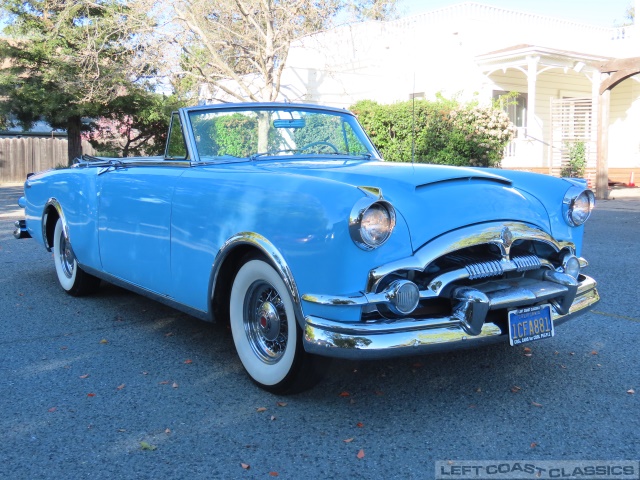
{"x":304,"y":219}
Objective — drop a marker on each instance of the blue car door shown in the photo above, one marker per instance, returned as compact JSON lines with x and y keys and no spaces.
{"x":134,"y":222}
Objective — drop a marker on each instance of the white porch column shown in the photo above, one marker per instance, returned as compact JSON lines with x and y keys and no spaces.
{"x":602,"y":180}
{"x":534,"y":129}
{"x":592,"y":158}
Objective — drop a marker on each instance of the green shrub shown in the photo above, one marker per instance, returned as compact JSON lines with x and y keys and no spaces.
{"x":440,"y":132}
{"x":577,"y":160}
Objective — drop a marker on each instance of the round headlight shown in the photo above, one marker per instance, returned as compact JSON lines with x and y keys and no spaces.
{"x":371,"y":224}
{"x":578,"y":205}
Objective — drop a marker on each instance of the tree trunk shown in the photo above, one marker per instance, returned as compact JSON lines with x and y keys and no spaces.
{"x":74,"y":140}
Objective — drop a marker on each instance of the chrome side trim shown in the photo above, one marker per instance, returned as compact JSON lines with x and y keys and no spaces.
{"x":164,"y":299}
{"x":53,"y":202}
{"x":272,"y":253}
{"x":493,"y":233}
{"x":373,"y":340}
{"x":132,"y":162}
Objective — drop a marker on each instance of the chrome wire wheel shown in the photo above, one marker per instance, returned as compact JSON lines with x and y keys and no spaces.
{"x":67,"y":258}
{"x":63,"y":258}
{"x":265,"y":322}
{"x":263,"y":325}
{"x":72,"y":278}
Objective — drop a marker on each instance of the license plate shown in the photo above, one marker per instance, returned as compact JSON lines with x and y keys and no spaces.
{"x":530,"y":324}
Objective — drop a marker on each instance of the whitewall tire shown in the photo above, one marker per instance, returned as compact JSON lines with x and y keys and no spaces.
{"x":265,"y":331}
{"x":71,"y":277}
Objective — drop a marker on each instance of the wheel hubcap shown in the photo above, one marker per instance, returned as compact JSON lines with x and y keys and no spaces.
{"x":265,"y":322}
{"x":269,"y":321}
{"x":67,"y":257}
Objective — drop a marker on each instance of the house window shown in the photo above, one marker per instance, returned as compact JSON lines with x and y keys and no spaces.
{"x":514,"y":104}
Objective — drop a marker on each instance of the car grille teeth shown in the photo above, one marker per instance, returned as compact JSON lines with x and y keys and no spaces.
{"x":528,"y":262}
{"x":491,"y":268}
{"x":494,"y":268}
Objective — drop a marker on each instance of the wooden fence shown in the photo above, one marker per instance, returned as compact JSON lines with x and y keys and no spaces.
{"x":22,"y":155}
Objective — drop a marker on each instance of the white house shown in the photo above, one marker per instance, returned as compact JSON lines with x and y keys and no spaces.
{"x":476,"y":51}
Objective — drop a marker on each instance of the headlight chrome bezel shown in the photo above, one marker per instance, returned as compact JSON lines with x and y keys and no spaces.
{"x":577,"y":205}
{"x":361,"y":230}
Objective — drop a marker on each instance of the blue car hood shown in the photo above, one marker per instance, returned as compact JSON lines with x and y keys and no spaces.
{"x":433,"y":199}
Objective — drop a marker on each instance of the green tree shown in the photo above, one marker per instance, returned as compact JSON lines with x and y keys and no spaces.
{"x":67,"y":60}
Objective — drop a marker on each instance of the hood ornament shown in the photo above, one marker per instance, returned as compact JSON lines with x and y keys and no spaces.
{"x":507,"y":237}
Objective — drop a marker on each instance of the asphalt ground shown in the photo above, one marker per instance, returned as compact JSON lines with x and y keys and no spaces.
{"x":118,"y":386}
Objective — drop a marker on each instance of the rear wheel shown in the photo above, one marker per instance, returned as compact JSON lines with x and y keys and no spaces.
{"x":72,"y":278}
{"x":265,"y":332}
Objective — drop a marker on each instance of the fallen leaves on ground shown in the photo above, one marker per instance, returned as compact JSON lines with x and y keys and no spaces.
{"x":533,"y":445}
{"x":281,"y":404}
{"x":104,"y":341}
{"x":147,"y":446}
{"x":273,"y":474}
{"x":52,"y":409}
{"x":188,"y":361}
{"x":120,"y":387}
{"x":631,"y":391}
{"x":593,"y":352}
{"x":86,"y":375}
{"x":246,"y":466}
{"x":348,"y":440}
{"x":91,"y":394}
{"x":261,"y":409}
{"x":175,"y":385}
{"x":515,"y":389}
{"x":536,"y":404}
{"x":360,"y":425}
{"x":360,"y":454}
{"x":345,"y":394}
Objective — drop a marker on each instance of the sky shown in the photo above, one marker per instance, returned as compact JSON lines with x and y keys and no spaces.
{"x":605,"y":13}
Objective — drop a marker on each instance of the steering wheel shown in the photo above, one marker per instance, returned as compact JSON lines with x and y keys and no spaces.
{"x":322,"y":142}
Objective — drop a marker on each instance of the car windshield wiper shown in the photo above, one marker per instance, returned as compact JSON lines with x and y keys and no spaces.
{"x":272,"y":153}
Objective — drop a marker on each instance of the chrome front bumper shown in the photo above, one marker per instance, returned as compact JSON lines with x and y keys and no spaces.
{"x":391,"y":338}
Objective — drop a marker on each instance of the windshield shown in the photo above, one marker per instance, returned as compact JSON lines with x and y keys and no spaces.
{"x":259,"y":133}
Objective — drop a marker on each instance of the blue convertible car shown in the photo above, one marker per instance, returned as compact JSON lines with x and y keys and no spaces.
{"x":283,"y":220}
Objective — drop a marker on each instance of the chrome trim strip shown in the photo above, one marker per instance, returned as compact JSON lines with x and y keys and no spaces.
{"x":435,"y":287}
{"x":493,"y":233}
{"x":271,"y":252}
{"x":363,"y":340}
{"x":134,"y":162}
{"x":53,"y":202}
{"x":166,"y":300}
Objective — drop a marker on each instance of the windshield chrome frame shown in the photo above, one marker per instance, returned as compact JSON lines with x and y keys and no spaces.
{"x":185,"y":116}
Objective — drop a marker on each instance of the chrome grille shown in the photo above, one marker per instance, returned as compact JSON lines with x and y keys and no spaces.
{"x":483,"y":268}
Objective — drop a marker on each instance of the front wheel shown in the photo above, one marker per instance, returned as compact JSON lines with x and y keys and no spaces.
{"x":265,"y":332}
{"x":72,"y":278}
